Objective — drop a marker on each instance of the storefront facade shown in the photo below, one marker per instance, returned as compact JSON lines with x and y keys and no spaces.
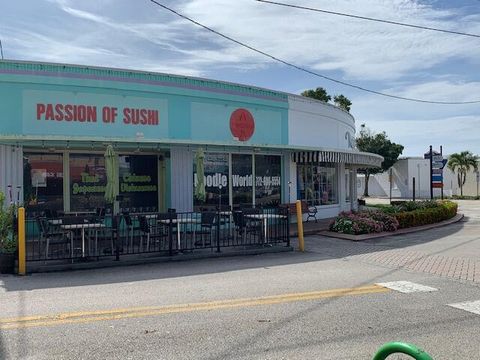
{"x":259,"y":147}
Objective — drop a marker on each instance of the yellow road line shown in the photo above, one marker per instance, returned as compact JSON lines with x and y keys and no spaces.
{"x":115,"y":314}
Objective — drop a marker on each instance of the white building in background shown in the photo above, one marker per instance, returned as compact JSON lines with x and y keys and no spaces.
{"x":403,"y":173}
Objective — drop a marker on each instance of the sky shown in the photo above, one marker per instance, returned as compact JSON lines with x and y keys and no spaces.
{"x":386,"y":58}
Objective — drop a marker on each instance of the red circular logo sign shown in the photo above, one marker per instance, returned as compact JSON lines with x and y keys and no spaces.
{"x":242,"y":124}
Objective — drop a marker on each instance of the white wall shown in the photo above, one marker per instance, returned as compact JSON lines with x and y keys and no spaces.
{"x":406,"y":169}
{"x":11,"y":171}
{"x":181,"y":179}
{"x":317,"y":124}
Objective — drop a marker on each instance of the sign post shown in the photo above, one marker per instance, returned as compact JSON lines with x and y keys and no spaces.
{"x":437,"y":163}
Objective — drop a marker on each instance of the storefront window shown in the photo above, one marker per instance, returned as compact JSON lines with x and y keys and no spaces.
{"x":87,"y":182}
{"x":268,"y":180}
{"x":317,"y":183}
{"x":138,"y":182}
{"x":242,"y":179}
{"x":215,"y":180}
{"x":42,"y":181}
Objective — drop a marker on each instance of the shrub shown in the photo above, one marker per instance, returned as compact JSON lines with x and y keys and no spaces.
{"x":8,"y":242}
{"x":363,"y":222}
{"x":402,"y":206}
{"x":428,"y":214}
{"x":393,"y":217}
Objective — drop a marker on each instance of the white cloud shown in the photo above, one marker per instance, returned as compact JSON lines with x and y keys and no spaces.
{"x":417,"y":125}
{"x":397,"y":60}
{"x":454,"y":133}
{"x":360,"y":50}
{"x":442,"y":90}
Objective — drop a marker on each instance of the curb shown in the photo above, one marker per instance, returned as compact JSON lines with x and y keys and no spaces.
{"x":362,"y":237}
{"x":154,"y":260}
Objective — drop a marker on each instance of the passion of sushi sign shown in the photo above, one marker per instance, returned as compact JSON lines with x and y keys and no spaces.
{"x":90,"y":114}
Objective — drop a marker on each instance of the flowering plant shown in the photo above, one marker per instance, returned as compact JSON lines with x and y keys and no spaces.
{"x":363,"y":222}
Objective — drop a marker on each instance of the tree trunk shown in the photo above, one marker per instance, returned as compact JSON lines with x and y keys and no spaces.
{"x":459,"y":180}
{"x":463,"y":178}
{"x":367,"y":178}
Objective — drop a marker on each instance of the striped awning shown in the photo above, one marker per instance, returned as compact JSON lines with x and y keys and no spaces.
{"x":351,"y":158}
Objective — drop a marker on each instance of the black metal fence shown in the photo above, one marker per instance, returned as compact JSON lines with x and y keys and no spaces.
{"x":93,"y":237}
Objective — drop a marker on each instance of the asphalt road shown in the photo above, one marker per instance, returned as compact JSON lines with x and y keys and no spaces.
{"x":275,"y":306}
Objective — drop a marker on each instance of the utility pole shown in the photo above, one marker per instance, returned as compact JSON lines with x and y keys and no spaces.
{"x":478,"y":180}
{"x":441,"y":189}
{"x":390,"y":177}
{"x":431,"y":164}
{"x":413,"y":188}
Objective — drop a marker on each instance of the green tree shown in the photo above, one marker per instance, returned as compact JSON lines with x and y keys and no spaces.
{"x":368,"y":141}
{"x":342,"y":102}
{"x":319,"y":93}
{"x":462,"y":163}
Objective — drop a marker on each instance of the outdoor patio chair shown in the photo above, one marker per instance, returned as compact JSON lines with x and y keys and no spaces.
{"x":207,"y":220}
{"x":100,"y":212}
{"x":131,"y":228}
{"x":312,"y":213}
{"x":243,"y":225}
{"x":152,"y":231}
{"x":53,"y":237}
{"x":108,"y":234}
{"x":163,"y":225}
{"x":50,"y":213}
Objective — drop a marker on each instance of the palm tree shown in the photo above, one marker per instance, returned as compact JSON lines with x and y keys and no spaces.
{"x":342,"y":102}
{"x":462,"y":163}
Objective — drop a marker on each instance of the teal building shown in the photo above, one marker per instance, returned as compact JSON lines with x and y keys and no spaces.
{"x":259,"y":146}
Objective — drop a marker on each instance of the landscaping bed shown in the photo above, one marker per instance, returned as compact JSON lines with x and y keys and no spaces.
{"x":391,"y":218}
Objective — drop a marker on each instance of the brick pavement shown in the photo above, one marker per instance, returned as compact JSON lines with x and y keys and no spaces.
{"x":458,"y":268}
{"x":451,"y":251}
{"x":444,"y":266}
{"x":450,"y":254}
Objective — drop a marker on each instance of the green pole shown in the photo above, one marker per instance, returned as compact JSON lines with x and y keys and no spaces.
{"x":402,"y":348}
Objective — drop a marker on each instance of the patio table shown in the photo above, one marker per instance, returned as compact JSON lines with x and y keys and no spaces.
{"x":180,"y":221}
{"x":264,"y":218}
{"x":82,"y":227}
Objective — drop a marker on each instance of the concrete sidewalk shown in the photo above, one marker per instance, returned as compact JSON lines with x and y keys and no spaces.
{"x":311,"y":227}
{"x":451,"y":251}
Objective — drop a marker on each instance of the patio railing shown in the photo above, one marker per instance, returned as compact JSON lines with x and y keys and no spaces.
{"x":93,"y":238}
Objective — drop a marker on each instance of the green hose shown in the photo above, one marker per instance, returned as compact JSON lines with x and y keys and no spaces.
{"x":402,"y":348}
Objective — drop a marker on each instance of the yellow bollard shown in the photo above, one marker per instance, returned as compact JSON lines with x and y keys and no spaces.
{"x":22,"y":266}
{"x":301,"y":243}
